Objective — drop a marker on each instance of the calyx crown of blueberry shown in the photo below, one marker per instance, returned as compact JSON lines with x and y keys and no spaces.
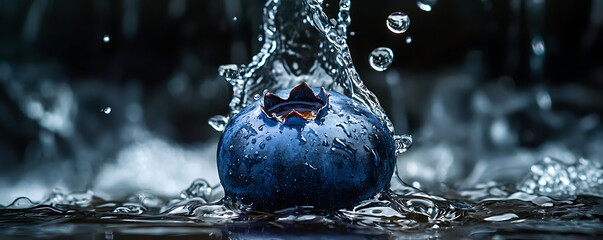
{"x":301,"y":104}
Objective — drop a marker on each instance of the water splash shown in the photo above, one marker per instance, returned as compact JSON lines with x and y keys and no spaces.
{"x":553,"y":177}
{"x":396,"y":211}
{"x":301,"y":44}
{"x":404,"y":208}
{"x":200,"y":188}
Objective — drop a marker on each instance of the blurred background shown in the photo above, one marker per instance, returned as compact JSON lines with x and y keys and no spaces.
{"x":114,"y":96}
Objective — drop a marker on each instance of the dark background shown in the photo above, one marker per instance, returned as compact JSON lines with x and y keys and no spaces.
{"x":158,"y":72}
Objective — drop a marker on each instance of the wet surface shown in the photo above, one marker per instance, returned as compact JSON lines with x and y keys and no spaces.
{"x":389,"y":216}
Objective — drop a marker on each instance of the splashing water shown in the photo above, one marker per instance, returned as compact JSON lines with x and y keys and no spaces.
{"x":305,"y":45}
{"x":318,"y":56}
{"x":302,"y":44}
{"x":553,"y":177}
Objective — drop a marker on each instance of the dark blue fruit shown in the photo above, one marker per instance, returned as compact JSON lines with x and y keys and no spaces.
{"x":309,"y":147}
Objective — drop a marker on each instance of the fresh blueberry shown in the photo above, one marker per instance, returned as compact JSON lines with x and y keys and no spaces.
{"x":307,"y":147}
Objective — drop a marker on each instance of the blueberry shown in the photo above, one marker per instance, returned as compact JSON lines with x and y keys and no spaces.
{"x":306,"y":147}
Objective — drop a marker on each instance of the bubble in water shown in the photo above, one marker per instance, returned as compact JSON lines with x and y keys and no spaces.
{"x":106,"y":110}
{"x":21,"y":203}
{"x":398,"y":22}
{"x":426,"y":5}
{"x":218,"y":122}
{"x":538,"y":46}
{"x":106,"y":38}
{"x":408,"y":40}
{"x":381,"y":58}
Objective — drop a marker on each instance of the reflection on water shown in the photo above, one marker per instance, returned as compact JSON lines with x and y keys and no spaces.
{"x":399,"y":212}
{"x":492,"y":160}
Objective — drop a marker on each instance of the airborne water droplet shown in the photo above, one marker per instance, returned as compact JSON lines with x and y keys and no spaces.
{"x":106,"y":38}
{"x":403,"y":143}
{"x":538,"y":46}
{"x":398,"y":22}
{"x":543,"y":99}
{"x":229,"y":71}
{"x":381,"y":58}
{"x":218,"y":122}
{"x":426,"y":5}
{"x":408,"y":40}
{"x":106,"y":110}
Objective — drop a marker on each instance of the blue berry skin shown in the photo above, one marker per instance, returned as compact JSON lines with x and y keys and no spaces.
{"x":332,"y":155}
